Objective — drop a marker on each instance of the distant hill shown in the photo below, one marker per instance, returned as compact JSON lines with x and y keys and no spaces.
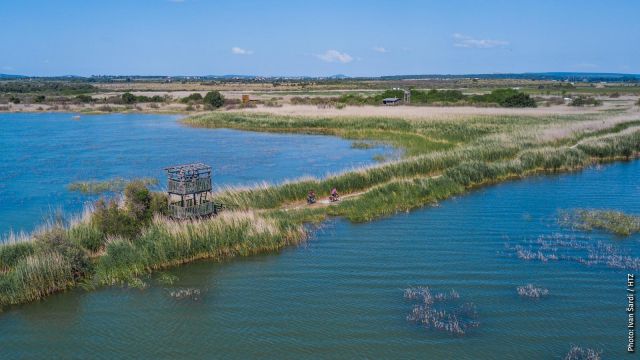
{"x":557,"y":76}
{"x":9,"y":76}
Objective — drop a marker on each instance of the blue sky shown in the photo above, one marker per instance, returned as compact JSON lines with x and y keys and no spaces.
{"x":317,"y":38}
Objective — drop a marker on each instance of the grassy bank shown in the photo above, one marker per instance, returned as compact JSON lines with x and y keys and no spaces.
{"x":118,"y":243}
{"x":83,"y":254}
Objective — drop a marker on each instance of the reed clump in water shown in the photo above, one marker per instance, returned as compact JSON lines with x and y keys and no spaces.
{"x":166,"y":278}
{"x":362,"y":145}
{"x":615,"y":222}
{"x":186,"y":293}
{"x":582,"y":250}
{"x":580,"y":353}
{"x":441,"y":311}
{"x":532,"y":292}
{"x":113,"y":185}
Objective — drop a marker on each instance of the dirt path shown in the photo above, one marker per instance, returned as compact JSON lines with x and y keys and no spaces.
{"x":325,"y":201}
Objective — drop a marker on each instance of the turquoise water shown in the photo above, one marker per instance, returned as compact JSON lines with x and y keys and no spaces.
{"x":340,"y":295}
{"x":41,"y":154}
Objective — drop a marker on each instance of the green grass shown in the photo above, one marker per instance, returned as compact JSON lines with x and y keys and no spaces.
{"x":615,"y":222}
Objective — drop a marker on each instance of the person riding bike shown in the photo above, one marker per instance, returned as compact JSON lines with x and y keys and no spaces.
{"x":334,"y":195}
{"x":311,"y":197}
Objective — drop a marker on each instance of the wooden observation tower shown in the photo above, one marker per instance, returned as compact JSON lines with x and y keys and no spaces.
{"x":189,"y":188}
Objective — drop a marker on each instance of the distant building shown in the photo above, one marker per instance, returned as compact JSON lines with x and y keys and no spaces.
{"x":391,"y":101}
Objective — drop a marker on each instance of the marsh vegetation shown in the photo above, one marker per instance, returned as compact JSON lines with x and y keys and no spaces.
{"x":531,"y":291}
{"x":573,"y":248}
{"x":120,"y":241}
{"x":441,"y":311}
{"x":615,"y":222}
{"x":113,"y":185}
{"x":580,"y":353}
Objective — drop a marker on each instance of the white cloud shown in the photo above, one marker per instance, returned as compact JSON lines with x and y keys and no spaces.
{"x":335,"y":56}
{"x":379,"y":49}
{"x":466,"y":41}
{"x":240,"y":51}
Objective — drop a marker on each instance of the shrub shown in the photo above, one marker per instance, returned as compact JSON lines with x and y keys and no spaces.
{"x":84,"y":98}
{"x":195,"y":97}
{"x":138,"y":200}
{"x":214,"y":99}
{"x":128,"y":98}
{"x":139,"y":206}
{"x":159,"y":203}
{"x":39,"y":99}
{"x":519,"y":100}
{"x":111,"y":220}
{"x":506,"y":98}
{"x":585,"y":101}
{"x":351,"y":99}
{"x":439,"y":96}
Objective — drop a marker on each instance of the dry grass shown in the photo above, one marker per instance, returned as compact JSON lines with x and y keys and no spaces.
{"x":416,"y":112}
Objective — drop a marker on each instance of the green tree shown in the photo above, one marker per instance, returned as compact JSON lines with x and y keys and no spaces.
{"x":129,"y":98}
{"x":214,"y":99}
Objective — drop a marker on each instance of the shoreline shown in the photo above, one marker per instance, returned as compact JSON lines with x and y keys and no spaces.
{"x":261,"y":222}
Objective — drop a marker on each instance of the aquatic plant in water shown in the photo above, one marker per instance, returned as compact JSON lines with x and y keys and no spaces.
{"x":166,"y":279}
{"x":580,"y":249}
{"x":531,"y":291}
{"x":580,"y":353}
{"x":613,"y":221}
{"x":441,"y":311}
{"x":186,"y":293}
{"x":113,"y":185}
{"x":362,"y":145}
